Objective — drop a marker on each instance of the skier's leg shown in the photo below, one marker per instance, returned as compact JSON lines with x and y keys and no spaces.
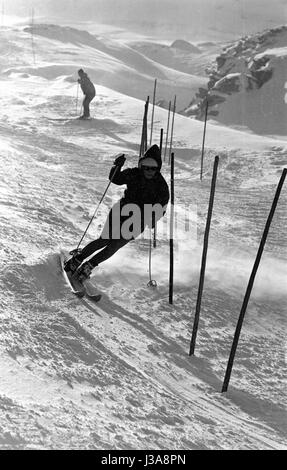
{"x":111,"y":248}
{"x":80,"y":255}
{"x":82,"y":108}
{"x":93,"y":246}
{"x":84,"y":271}
{"x":86,"y":105}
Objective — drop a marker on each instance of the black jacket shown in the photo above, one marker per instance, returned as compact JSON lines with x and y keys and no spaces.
{"x":141,"y":190}
{"x":87,"y":86}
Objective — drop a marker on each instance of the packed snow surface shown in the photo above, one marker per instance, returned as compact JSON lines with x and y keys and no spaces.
{"x":117,"y":374}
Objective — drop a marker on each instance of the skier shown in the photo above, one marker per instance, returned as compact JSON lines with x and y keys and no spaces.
{"x":89,"y":91}
{"x":146,"y":189}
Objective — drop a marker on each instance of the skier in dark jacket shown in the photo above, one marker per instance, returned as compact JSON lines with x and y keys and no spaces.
{"x":89,"y":91}
{"x":146,"y":198}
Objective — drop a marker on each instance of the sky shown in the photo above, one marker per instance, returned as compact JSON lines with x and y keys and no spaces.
{"x":188,"y":17}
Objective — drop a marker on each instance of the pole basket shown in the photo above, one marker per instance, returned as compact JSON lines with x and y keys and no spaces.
{"x":152,"y":283}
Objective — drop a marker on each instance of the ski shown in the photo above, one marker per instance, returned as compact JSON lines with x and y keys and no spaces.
{"x":63,"y":119}
{"x":85,"y":118}
{"x":69,"y":119}
{"x":91,"y":291}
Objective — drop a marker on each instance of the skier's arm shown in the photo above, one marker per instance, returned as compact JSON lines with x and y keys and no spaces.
{"x":120,"y":177}
{"x":116,"y":175}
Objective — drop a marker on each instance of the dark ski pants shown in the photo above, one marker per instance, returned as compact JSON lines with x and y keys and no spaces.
{"x":107,"y":246}
{"x":86,"y":104}
{"x":108,"y":242}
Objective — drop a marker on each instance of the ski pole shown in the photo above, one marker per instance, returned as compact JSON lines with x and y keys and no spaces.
{"x":154,"y":236}
{"x":97,"y":208}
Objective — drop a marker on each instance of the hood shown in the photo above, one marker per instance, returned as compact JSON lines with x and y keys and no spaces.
{"x":154,"y":153}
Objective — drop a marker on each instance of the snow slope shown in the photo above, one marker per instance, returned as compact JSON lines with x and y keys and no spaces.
{"x":117,"y":375}
{"x":112,"y":64}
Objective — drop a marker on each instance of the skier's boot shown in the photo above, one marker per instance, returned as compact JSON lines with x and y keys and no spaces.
{"x":84,"y":272}
{"x":73,"y":263}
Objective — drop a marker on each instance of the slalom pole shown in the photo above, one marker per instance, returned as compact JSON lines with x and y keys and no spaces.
{"x":97,"y":208}
{"x":167,"y":130}
{"x":143,"y":145}
{"x":203,"y":140}
{"x":172,"y":126}
{"x":152,"y":282}
{"x":251,"y":282}
{"x":145,"y":125}
{"x":204,"y":256}
{"x":77,"y":99}
{"x":160,"y":142}
{"x":171,"y":260}
{"x":160,"y":148}
{"x":152,"y":117}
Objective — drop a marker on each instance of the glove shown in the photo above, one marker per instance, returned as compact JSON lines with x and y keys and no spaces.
{"x":120,"y":160}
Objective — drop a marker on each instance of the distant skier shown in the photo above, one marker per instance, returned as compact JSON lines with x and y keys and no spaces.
{"x":146,"y":188}
{"x":89,"y":91}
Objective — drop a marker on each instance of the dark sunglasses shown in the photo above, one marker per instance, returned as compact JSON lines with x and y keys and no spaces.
{"x":149,"y":168}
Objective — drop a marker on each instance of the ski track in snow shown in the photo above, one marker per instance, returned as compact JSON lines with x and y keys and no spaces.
{"x":117,"y":375}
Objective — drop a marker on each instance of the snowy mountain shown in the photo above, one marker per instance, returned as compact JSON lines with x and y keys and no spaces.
{"x":112,"y":64}
{"x":116,"y":374}
{"x":248,"y":85}
{"x":181,"y":55}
